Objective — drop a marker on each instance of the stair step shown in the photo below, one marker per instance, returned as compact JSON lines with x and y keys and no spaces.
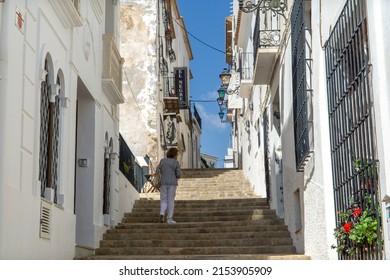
{"x":203,"y":257}
{"x":206,"y":211}
{"x":195,"y":243}
{"x":195,"y":235}
{"x":182,"y":217}
{"x":281,"y":249}
{"x":218,"y":217}
{"x":211,"y":227}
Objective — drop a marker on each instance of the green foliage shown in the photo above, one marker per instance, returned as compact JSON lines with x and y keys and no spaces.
{"x":126,"y":167}
{"x":370,"y":168}
{"x":365,"y":230}
{"x":356,"y":228}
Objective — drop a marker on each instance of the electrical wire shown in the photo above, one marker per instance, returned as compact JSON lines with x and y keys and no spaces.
{"x":196,"y":38}
{"x":132,"y":93}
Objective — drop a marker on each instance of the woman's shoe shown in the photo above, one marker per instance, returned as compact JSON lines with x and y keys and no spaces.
{"x":170,"y":222}
{"x":161,"y":218}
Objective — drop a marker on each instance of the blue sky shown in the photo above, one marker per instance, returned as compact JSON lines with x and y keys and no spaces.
{"x":205,"y":21}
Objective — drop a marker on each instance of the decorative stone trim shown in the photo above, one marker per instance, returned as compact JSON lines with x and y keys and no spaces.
{"x":69,"y":12}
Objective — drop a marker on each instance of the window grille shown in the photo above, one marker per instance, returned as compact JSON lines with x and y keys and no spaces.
{"x":49,"y":137}
{"x":267,"y":167}
{"x":107,"y":178}
{"x":351,"y":122}
{"x":301,"y":85}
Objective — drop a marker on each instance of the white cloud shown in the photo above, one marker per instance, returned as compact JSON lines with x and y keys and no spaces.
{"x":211,"y":95}
{"x":212,"y":120}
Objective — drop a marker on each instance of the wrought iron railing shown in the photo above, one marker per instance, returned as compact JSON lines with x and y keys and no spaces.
{"x":129,"y":167}
{"x":352,"y":133}
{"x":197,"y":117}
{"x":267,"y":31}
{"x":267,"y":166}
{"x":301,"y":85}
{"x":168,"y":86}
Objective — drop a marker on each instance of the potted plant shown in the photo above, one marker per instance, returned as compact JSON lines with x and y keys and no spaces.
{"x":357,"y":228}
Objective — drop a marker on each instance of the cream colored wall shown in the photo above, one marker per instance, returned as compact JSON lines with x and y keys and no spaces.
{"x":138,"y":115}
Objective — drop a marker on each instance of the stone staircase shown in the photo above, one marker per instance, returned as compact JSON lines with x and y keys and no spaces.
{"x":218,"y":217}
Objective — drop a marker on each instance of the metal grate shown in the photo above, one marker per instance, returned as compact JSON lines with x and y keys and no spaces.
{"x":45,"y":91}
{"x":351,"y":121}
{"x":301,"y":85}
{"x":49,"y":137}
{"x":106,"y":179}
{"x":56,"y":140}
{"x":267,"y":166}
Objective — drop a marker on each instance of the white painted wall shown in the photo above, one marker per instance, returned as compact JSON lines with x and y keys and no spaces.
{"x":307,"y":199}
{"x":77,"y":52}
{"x":379,"y":44}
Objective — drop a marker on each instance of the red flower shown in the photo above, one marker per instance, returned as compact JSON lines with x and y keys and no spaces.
{"x":347,"y":227}
{"x":356,"y":212}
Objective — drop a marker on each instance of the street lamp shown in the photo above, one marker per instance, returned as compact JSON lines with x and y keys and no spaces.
{"x":220,"y":101}
{"x":225,"y":77}
{"x":221,"y":115}
{"x":276,"y":6}
{"x":221,"y":92}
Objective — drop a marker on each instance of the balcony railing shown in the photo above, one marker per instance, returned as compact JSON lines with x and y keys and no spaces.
{"x":112,"y":70}
{"x":171,"y":100}
{"x":197,"y":117}
{"x":129,"y":167}
{"x":266,"y":40}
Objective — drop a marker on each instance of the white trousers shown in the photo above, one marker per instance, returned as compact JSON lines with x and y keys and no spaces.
{"x":167,"y":200}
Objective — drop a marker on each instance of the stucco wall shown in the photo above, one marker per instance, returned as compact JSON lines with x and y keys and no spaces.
{"x":138,"y":117}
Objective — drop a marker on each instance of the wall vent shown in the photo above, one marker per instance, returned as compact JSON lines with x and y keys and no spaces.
{"x":45,"y":220}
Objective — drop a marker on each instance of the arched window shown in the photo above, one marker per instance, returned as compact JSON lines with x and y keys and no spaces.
{"x":49,"y":133}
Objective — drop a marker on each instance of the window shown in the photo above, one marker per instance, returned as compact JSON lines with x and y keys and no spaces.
{"x":351,"y":120}
{"x":49,"y":135}
{"x":107,"y":176}
{"x":301,"y":85}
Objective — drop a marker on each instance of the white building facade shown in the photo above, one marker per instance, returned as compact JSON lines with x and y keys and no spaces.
{"x":310,"y":129}
{"x":61,"y":86}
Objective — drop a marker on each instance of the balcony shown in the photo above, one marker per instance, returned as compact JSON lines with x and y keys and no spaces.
{"x":68,"y":12}
{"x":266,"y":41}
{"x":171,"y":100}
{"x":112,"y":70}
